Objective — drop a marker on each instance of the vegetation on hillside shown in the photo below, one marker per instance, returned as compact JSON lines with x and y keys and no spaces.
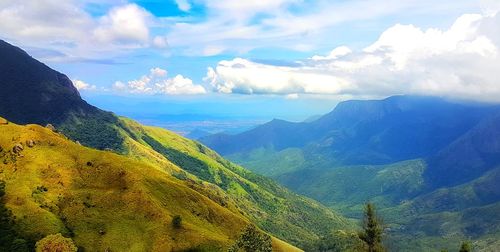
{"x":55,"y":242}
{"x":102,"y":200}
{"x":271,"y":207}
{"x":10,"y":240}
{"x":252,"y":240}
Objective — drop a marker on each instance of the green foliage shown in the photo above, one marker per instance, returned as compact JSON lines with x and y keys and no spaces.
{"x":177,"y":221}
{"x":268,"y":205}
{"x":98,"y":131}
{"x":9,"y":238}
{"x":252,"y":240}
{"x":465,"y":247}
{"x":185,"y":161}
{"x":19,"y":245}
{"x":372,"y":230}
{"x":55,"y":242}
{"x":337,"y":241}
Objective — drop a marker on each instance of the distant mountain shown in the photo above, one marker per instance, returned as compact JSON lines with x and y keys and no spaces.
{"x":364,"y":132}
{"x":424,"y":161}
{"x":469,"y":156}
{"x":197,"y":133}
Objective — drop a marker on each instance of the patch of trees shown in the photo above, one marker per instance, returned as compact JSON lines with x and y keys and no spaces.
{"x":185,"y":161}
{"x":10,"y":240}
{"x":97,"y":131}
{"x":252,"y":240}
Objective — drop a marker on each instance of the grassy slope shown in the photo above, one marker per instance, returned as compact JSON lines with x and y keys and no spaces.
{"x":105,"y":200}
{"x":286,"y":215}
{"x":259,"y":160}
{"x":348,"y":188}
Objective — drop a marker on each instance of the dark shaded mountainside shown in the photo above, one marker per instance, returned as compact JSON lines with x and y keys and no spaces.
{"x":133,"y":190}
{"x":378,"y":132}
{"x":429,"y":163}
{"x":34,"y":93}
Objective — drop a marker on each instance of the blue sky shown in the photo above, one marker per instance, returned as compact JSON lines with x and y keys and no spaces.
{"x":262,"y":59}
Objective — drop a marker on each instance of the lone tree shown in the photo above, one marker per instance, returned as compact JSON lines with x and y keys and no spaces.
{"x":372,"y":230}
{"x":177,"y":221}
{"x":466,"y":247}
{"x":252,"y":240}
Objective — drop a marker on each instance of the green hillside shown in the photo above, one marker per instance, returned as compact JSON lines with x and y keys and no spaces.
{"x":103,"y":200}
{"x":58,"y":186}
{"x":272,"y":207}
{"x":416,"y":217}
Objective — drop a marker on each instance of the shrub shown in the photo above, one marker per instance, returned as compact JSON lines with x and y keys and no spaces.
{"x":465,"y":247}
{"x":177,"y":221}
{"x":10,"y":239}
{"x":253,"y":240}
{"x":19,"y":245}
{"x":55,"y":243}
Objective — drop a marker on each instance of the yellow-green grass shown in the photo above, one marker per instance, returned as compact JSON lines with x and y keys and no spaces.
{"x":104,"y":200}
{"x":271,"y":207}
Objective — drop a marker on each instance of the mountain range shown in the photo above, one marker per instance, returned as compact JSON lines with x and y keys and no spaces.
{"x":430,"y":164}
{"x":112,"y":184}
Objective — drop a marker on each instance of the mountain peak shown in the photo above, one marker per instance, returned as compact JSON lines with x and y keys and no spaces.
{"x":32,"y":92}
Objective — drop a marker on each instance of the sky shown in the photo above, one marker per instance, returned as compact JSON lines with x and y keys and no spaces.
{"x":260,"y":59}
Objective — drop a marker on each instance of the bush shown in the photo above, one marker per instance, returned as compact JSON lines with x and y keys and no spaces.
{"x":253,"y":240}
{"x":177,"y":221}
{"x":465,"y":247}
{"x":55,"y":243}
{"x":10,"y":239}
{"x":19,"y":245}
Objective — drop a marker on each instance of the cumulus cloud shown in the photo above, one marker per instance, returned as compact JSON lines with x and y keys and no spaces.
{"x":179,"y":85}
{"x":81,"y":85}
{"x":124,"y":24}
{"x":157,"y":82}
{"x":66,"y":28}
{"x":462,"y":61}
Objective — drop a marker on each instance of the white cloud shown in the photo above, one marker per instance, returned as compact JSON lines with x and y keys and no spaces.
{"x":179,"y":85}
{"x":462,"y":61}
{"x":156,"y":82}
{"x":183,"y":5}
{"x":158,"y":72}
{"x":229,"y":26}
{"x":243,"y":76}
{"x":66,"y":28}
{"x":124,"y":24}
{"x":81,"y":85}
{"x":334,"y":54}
{"x":240,"y":26}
